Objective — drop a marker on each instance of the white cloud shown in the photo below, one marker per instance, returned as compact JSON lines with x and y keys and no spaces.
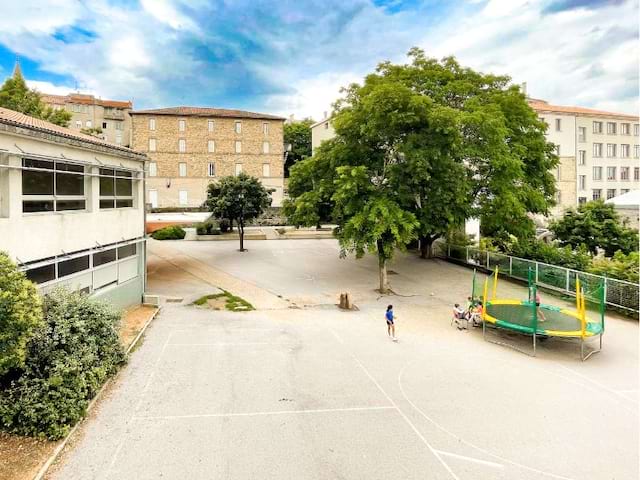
{"x":38,"y":17}
{"x":48,"y":87}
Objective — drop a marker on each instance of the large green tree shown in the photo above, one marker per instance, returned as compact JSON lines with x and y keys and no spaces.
{"x":595,"y":224}
{"x":439,"y":143}
{"x":16,"y":95}
{"x":298,"y":135}
{"x":239,"y":198}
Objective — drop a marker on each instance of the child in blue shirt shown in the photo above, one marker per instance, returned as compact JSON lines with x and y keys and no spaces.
{"x":391,"y":328}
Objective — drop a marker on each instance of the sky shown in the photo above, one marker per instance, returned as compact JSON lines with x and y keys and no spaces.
{"x":293,"y":56}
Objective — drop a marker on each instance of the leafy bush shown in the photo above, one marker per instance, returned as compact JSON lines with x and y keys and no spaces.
{"x":172,"y":232}
{"x":210,"y":227}
{"x":621,"y":266}
{"x":20,"y":314}
{"x":225,"y":225}
{"x":69,"y":358}
{"x":578,"y":259}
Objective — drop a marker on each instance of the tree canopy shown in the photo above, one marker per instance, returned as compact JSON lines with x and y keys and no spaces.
{"x":16,"y":95}
{"x":239,"y":198}
{"x":430,"y":143}
{"x":298,"y":135}
{"x":595,"y":224}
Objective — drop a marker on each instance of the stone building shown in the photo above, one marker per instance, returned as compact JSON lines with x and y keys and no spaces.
{"x":189,"y":147}
{"x":72,"y":209}
{"x":110,"y":116}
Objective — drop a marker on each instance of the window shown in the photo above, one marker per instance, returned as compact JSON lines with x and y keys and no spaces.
{"x":597,"y":127}
{"x":88,"y":124}
{"x":53,"y":187}
{"x":611,"y":192}
{"x":238,"y":146}
{"x":611,"y":150}
{"x":558,"y":124}
{"x":582,"y":157}
{"x":116,"y":188}
{"x":624,"y":173}
{"x":182,"y":145}
{"x":636,"y":129}
{"x":104,"y":256}
{"x":636,"y":151}
{"x":127,"y":251}
{"x":238,"y":168}
{"x":238,"y":127}
{"x":211,"y":146}
{"x":78,"y":124}
{"x":597,"y":150}
{"x":582,"y":134}
{"x":266,"y":170}
{"x":582,"y":200}
{"x":152,"y":144}
{"x":153,"y":169}
{"x":558,"y":172}
{"x":152,"y":124}
{"x":119,"y":125}
{"x":597,"y":194}
{"x":210,"y":125}
{"x":625,"y":128}
{"x":558,"y":150}
{"x":104,"y":125}
{"x":582,"y":182}
{"x":265,"y":147}
{"x":597,"y":173}
{"x":611,"y":128}
{"x":73,"y":265}
{"x":183,"y":197}
{"x":42,"y":274}
{"x":625,"y":150}
{"x":182,"y":169}
{"x":118,"y":138}
{"x":182,"y":125}
{"x":624,"y":190}
{"x":611,"y":173}
{"x":558,"y":196}
{"x":636,"y":173}
{"x":212,"y":170}
{"x":265,"y":128}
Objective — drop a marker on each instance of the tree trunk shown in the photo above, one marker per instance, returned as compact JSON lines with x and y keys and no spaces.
{"x":382,"y":270}
{"x":241,"y":233}
{"x":426,"y":247}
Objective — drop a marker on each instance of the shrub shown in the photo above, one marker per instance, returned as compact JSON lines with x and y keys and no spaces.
{"x":173,"y":232}
{"x":68,"y":359}
{"x":225,"y":225}
{"x":20,"y":314}
{"x":210,"y":227}
{"x":578,"y":259}
{"x":621,"y":266}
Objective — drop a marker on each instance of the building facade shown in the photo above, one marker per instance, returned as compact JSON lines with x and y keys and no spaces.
{"x":321,"y":131}
{"x":191,"y":147}
{"x":72,"y":209}
{"x":599,"y":152}
{"x":111,"y":117}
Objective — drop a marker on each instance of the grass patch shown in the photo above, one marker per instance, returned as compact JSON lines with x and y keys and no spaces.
{"x":231,"y":302}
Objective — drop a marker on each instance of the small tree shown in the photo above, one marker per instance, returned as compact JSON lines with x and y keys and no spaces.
{"x":595,"y":224}
{"x":298,"y":135}
{"x":20,"y":314}
{"x":240,"y":199}
{"x":15,"y":95}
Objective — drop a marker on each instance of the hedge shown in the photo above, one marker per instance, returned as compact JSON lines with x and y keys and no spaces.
{"x":172,"y":232}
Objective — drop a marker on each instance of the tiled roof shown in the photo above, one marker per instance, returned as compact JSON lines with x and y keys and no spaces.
{"x":18,"y":119}
{"x":206,"y":112}
{"x":543,"y":106}
{"x":83,"y":99}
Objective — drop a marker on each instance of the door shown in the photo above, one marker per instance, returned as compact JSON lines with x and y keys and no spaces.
{"x":153,"y":198}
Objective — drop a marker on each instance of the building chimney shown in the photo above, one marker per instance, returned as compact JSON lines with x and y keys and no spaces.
{"x":325,"y":115}
{"x":523,"y":87}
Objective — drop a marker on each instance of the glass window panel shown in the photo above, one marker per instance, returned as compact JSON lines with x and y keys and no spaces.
{"x":107,"y":203}
{"x":37,"y":206}
{"x":68,"y":184}
{"x":73,"y":265}
{"x":37,"y":183}
{"x":70,"y":205}
{"x":106,"y":256}
{"x":107,"y":186}
{"x":124,"y":203}
{"x":127,"y":251}
{"x":124,"y":187}
{"x":69,"y":167}
{"x":42,"y":274}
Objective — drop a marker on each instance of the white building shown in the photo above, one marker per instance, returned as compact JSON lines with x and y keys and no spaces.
{"x":598,"y":152}
{"x":72,"y":209}
{"x":321,"y":131}
{"x":628,"y":207}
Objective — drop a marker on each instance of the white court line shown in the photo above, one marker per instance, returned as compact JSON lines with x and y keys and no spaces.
{"x":406,"y":419}
{"x":599,"y":385}
{"x":226,"y":344}
{"x":264,"y":414}
{"x":470,"y":459}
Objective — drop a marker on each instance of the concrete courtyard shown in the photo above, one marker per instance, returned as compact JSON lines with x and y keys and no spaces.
{"x":300,"y":390}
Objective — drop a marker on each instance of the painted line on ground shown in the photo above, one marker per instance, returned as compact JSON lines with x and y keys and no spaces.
{"x":599,"y":385}
{"x":227,"y":344}
{"x":470,"y":459}
{"x":402,"y":414}
{"x":264,"y":414}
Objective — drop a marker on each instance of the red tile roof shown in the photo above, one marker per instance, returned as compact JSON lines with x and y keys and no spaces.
{"x":543,"y":106}
{"x":11,"y":117}
{"x":84,"y":99}
{"x":206,"y":112}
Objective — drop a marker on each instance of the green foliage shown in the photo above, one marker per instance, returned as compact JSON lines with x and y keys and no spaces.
{"x":20,"y":314}
{"x":621,"y":266}
{"x":172,"y":232}
{"x":298,"y":135}
{"x":240,"y":198}
{"x":232,"y":302}
{"x":68,"y":359}
{"x":95,"y":131}
{"x":15,"y":95}
{"x":595,"y":224}
{"x":210,"y":227}
{"x":540,"y":251}
{"x":225,"y":225}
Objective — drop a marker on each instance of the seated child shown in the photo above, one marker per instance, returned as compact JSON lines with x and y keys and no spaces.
{"x":459,"y":314}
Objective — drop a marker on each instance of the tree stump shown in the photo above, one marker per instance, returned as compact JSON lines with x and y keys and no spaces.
{"x":345,"y":301}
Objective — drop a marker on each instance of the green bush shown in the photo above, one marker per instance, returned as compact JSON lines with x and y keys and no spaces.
{"x":68,"y":359}
{"x":210,"y":227}
{"x":578,"y":259}
{"x":20,"y":314}
{"x":225,"y":225}
{"x":173,"y":232}
{"x":621,"y":266}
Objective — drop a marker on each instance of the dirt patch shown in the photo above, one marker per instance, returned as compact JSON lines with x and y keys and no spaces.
{"x":224,"y":301}
{"x":22,"y":457}
{"x":133,"y":321}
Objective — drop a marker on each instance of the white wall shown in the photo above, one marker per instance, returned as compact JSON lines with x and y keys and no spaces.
{"x":320,"y":132}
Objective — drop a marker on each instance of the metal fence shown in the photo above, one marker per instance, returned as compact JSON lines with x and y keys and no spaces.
{"x":618,"y":293}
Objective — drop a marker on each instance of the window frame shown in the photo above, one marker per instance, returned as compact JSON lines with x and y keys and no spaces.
{"x":582,"y":157}
{"x":210,"y":126}
{"x":625,"y":174}
{"x":186,"y":198}
{"x":593,"y":194}
{"x":182,"y":145}
{"x":115,"y":198}
{"x":211,"y":169}
{"x":598,"y":177}
{"x":182,"y":125}
{"x":237,"y":127}
{"x":612,"y":172}
{"x":182,"y":169}
{"x":154,"y":142}
{"x":152,"y":124}
{"x":211,"y":146}
{"x":599,"y":153}
{"x":612,"y":128}
{"x":54,"y":197}
{"x":153,"y":169}
{"x":238,"y":146}
{"x":612,"y":150}
{"x":599,"y":126}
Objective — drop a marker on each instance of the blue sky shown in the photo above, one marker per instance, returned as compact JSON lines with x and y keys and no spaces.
{"x":292,"y":57}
